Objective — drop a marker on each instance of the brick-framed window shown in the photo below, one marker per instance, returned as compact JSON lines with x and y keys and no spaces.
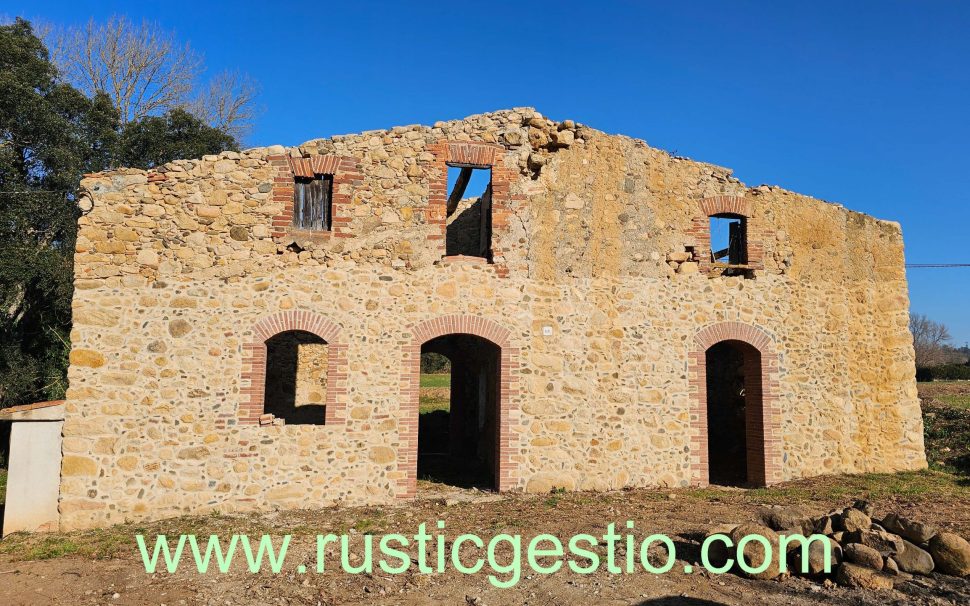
{"x":253,"y":385}
{"x":735,"y":209}
{"x":323,"y":176}
{"x":507,"y":475}
{"x":764,"y":448}
{"x":313,"y":202}
{"x":470,"y":154}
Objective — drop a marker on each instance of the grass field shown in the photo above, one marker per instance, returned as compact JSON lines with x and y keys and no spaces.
{"x":435,"y":392}
{"x":957,"y":401}
{"x":436,"y":380}
{"x":946,"y":421}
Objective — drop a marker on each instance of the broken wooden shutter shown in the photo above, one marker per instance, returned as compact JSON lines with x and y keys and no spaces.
{"x":485,"y":227}
{"x":312,"y":203}
{"x":736,"y":243}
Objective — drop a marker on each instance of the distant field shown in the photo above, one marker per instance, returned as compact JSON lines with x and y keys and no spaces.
{"x":946,"y":421}
{"x":955,"y":400}
{"x":435,"y":392}
{"x":436,"y":380}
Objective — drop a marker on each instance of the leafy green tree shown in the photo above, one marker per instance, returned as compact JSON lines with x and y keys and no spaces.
{"x":178,"y":134}
{"x":50,"y":135}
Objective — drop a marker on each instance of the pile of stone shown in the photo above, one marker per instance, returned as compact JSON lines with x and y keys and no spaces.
{"x":682,"y":262}
{"x":866,"y":551}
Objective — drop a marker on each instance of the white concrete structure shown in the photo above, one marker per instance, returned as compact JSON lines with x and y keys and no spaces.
{"x":33,"y":476}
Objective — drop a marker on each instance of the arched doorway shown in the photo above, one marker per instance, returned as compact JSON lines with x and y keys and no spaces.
{"x":735,"y":428}
{"x":491,"y":337}
{"x":458,"y":442}
{"x":744,"y":366}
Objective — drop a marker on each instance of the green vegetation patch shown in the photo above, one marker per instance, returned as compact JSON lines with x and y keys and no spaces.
{"x":958,"y":401}
{"x":435,"y":380}
{"x":435,"y":392}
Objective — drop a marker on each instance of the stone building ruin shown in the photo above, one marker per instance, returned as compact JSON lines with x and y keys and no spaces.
{"x":248,"y":327}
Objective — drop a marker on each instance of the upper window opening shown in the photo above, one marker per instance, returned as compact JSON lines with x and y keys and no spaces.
{"x":313,"y":202}
{"x":296,"y":378}
{"x":728,"y":239}
{"x":469,"y":217}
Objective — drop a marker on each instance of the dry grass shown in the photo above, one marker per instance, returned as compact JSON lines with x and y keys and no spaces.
{"x":941,"y":490}
{"x":946,"y":420}
{"x":524,"y":512}
{"x":435,"y":393}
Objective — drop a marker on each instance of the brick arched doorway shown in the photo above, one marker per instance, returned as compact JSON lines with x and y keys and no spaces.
{"x":455,"y":333}
{"x":735,"y":422}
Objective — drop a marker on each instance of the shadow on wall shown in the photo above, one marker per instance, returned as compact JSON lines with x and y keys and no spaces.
{"x":296,"y":378}
{"x":463,"y":235}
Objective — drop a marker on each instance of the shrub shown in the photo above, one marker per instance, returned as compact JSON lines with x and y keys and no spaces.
{"x":434,"y":363}
{"x":945,"y":372}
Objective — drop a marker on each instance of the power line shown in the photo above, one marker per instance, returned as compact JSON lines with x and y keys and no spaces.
{"x":924,"y":265}
{"x":35,"y":191}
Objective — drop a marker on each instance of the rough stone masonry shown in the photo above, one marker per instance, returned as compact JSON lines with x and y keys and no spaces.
{"x":596,"y":285}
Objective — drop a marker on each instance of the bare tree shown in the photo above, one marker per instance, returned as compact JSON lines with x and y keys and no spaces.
{"x":227,"y":102}
{"x":929,"y":340}
{"x":142,"y":68}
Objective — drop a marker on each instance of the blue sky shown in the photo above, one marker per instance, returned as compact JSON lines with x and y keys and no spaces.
{"x":861,"y":103}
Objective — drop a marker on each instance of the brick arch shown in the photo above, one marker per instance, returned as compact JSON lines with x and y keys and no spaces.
{"x":765,"y":455}
{"x":253,"y":386}
{"x":726,"y":205}
{"x":507,"y":476}
{"x":733,"y":331}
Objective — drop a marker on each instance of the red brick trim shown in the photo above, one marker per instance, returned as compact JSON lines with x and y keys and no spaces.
{"x":253,"y":386}
{"x":33,"y":406}
{"x":726,"y":205}
{"x":21,"y":411}
{"x":700,"y":230}
{"x":480,"y":155}
{"x":764,"y":429}
{"x":509,"y":411}
{"x":346,"y":175}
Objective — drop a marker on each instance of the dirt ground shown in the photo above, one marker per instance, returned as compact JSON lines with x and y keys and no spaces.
{"x":103,"y":567}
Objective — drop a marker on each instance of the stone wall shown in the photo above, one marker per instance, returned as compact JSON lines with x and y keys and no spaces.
{"x":598,"y":292}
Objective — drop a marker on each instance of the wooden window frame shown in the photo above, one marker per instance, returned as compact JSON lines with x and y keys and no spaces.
{"x":346,"y":176}
{"x":303,"y":185}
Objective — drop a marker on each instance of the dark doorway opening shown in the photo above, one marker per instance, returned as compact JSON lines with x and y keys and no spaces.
{"x":458,"y":442}
{"x":469,"y":217}
{"x":296,"y":378}
{"x":735,"y":436}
